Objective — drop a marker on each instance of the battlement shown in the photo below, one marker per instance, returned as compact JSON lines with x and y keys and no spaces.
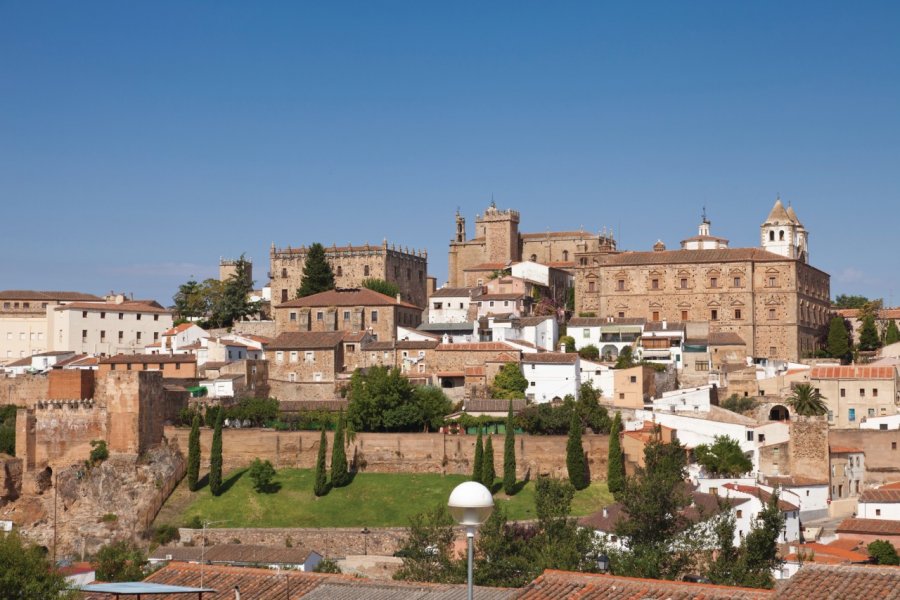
{"x":492,"y":214}
{"x":72,"y":404}
{"x":350,"y":251}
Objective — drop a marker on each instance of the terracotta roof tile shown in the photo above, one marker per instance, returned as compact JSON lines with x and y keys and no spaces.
{"x":813,"y":582}
{"x":307,"y":340}
{"x":853,"y":372}
{"x":869,"y":526}
{"x":550,"y":358}
{"x":112,"y":307}
{"x":845,"y":450}
{"x":493,"y":405}
{"x":178,"y":329}
{"x":694,"y":256}
{"x":48,"y":296}
{"x":880,"y":496}
{"x":346,"y":297}
{"x":725,"y":338}
{"x":760,"y":493}
{"x":475,"y":347}
{"x":462,"y":292}
{"x":122,"y":359}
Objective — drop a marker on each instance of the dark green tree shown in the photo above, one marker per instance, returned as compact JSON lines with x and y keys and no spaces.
{"x":883,"y":552}
{"x":427,"y":550}
{"x":505,"y":552}
{"x":382,"y":399}
{"x":850,"y":301}
{"x":626,"y":359}
{"x":215,"y":457}
{"x":193,"y":462}
{"x":560,"y":543}
{"x":478,"y":462}
{"x":738,"y":404}
{"x":382,"y":287}
{"x":589,"y":352}
{"x":234,"y":302}
{"x":340,"y":476}
{"x":723,"y":458}
{"x":575,"y":463}
{"x":891,"y":333}
{"x":509,"y":383}
{"x":759,"y":550}
{"x":838,"y":344}
{"x":190,"y":301}
{"x":509,"y":454}
{"x":567,"y":342}
{"x":588,"y":406}
{"x":120,"y":561}
{"x":615,"y":470}
{"x":8,"y":429}
{"x":25,"y":572}
{"x":807,"y":401}
{"x":317,"y":274}
{"x":488,"y":473}
{"x":432,"y":405}
{"x":262,"y":474}
{"x":321,"y":484}
{"x":868,"y":334}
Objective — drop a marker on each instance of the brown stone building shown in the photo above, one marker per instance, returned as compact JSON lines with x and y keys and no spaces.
{"x":497,"y":243}
{"x":178,"y":366}
{"x":406,"y":269}
{"x":305,"y":365}
{"x":770,"y":297}
{"x":348,"y":310}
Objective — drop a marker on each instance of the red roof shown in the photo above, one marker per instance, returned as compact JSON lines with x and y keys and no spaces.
{"x":881,"y":496}
{"x":178,"y":329}
{"x":476,"y":347}
{"x":113,"y":307}
{"x":845,"y":450}
{"x":346,"y":297}
{"x":760,"y":493}
{"x":870,"y":526}
{"x":853,"y":372}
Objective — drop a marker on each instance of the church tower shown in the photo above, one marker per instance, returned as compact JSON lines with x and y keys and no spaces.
{"x":460,"y":228}
{"x":784,"y":234}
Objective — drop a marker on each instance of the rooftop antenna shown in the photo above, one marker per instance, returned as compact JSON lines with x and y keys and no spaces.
{"x":493,"y":204}
{"x":704,"y":214}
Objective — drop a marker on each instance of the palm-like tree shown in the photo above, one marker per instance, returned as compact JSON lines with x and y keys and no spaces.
{"x":807,"y":401}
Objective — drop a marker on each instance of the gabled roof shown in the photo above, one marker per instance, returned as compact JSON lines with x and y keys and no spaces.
{"x":476,"y":347}
{"x":869,"y":526}
{"x":307,"y":340}
{"x":841,"y":581}
{"x":852,"y":372}
{"x":760,"y":493}
{"x":725,"y":338}
{"x":778,"y":215}
{"x":447,"y":292}
{"x":178,"y":329}
{"x":881,"y":496}
{"x":48,"y":296}
{"x":346,"y":297}
{"x":128,"y":306}
{"x":550,"y":358}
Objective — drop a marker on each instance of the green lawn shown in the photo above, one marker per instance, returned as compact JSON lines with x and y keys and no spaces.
{"x":372,"y":500}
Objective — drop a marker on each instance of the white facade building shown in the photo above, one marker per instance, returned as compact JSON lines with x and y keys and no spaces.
{"x":691,"y":400}
{"x":891,"y":422}
{"x":450,"y":305}
{"x":608,"y":335}
{"x":551,"y":376}
{"x":879,"y":504}
{"x":601,"y":376}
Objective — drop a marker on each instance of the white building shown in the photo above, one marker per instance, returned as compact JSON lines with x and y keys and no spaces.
{"x":609,"y":335}
{"x":451,"y":305}
{"x":891,"y":422}
{"x":23,"y":320}
{"x":879,"y":504}
{"x":757,"y":497}
{"x":117,"y":326}
{"x":176,"y":339}
{"x":691,"y":400}
{"x":538,"y":333}
{"x":811,"y":496}
{"x":601,"y":376}
{"x":663,"y":342}
{"x":551,"y":376}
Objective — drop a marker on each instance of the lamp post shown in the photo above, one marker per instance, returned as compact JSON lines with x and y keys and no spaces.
{"x":470,"y":504}
{"x":365,"y":533}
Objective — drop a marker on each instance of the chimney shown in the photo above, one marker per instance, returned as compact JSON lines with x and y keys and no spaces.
{"x":237,"y":592}
{"x":399,"y":300}
{"x":665,"y":324}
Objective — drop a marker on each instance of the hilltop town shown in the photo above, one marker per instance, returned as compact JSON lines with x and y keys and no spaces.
{"x":782,"y":403}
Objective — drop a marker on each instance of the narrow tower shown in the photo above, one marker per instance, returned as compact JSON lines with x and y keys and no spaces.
{"x":782,"y":233}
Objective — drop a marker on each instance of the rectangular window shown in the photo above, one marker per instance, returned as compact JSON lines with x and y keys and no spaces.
{"x":155,"y":336}
{"x":714,"y":315}
{"x":772,"y":352}
{"x":320,"y":316}
{"x":156,"y":317}
{"x":292,"y":377}
{"x":684,"y":283}
{"x":84,"y":335}
{"x":374,"y":316}
{"x":684,"y":315}
{"x":177,"y":366}
{"x":292,"y":316}
{"x":591,"y":286}
{"x":121,"y":316}
{"x":585,"y":333}
{"x":771,"y":313}
{"x":138,"y":316}
{"x":871,"y":412}
{"x":284,"y":297}
{"x":737,"y":282}
{"x":851,"y":414}
{"x":830,"y":416}
{"x":294,"y":356}
{"x":843,"y":393}
{"x":749,"y":436}
{"x":279,"y":356}
{"x":633,"y":379}
{"x":737,"y":313}
{"x":84,"y":314}
{"x":862,"y":392}
{"x":103,"y":315}
{"x":713,"y":282}
{"x":351,"y":348}
{"x":620,"y":284}
{"x":102,"y":335}
{"x":138,"y":334}
{"x":346,"y":315}
{"x":701,"y":365}
{"x":309,"y":357}
{"x":121,"y":335}
{"x":621,"y":395}
{"x":874,"y":392}
{"x":621,"y":315}
{"x":656,"y":315}
{"x":654,"y":284}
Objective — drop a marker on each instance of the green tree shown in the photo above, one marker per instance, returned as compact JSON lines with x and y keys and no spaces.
{"x":427,"y":550}
{"x":850,"y":301}
{"x":259,"y":411}
{"x":868,"y":334}
{"x":321,"y":483}
{"x":759,"y":549}
{"x":807,"y":401}
{"x":26,"y":574}
{"x":478,"y":462}
{"x":317,"y":274}
{"x":838,"y":343}
{"x":560,"y":543}
{"x":262,"y":474}
{"x":234,"y":302}
{"x":883,"y":552}
{"x":340,"y":476}
{"x":625,"y":359}
{"x":509,"y":454}
{"x":568,"y":343}
{"x":589,"y":352}
{"x":382,"y":399}
{"x":488,"y":473}
{"x":99,"y":452}
{"x":120,"y":561}
{"x":723,"y":458}
{"x":588,"y":406}
{"x":190,"y":301}
{"x":193,"y":462}
{"x":215,"y":458}
{"x":509,"y":383}
{"x":433,"y":405}
{"x":327,"y":565}
{"x":891,"y":333}
{"x":575,"y":463}
{"x":8,"y":429}
{"x":382,"y":287}
{"x":739,"y":404}
{"x":615,"y":470}
{"x":504,"y":552}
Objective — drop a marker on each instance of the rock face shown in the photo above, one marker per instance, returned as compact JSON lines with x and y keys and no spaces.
{"x":117,"y":499}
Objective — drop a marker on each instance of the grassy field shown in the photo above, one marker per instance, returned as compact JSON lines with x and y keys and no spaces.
{"x":372,"y":500}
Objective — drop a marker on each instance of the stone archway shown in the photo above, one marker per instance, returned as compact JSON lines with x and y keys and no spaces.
{"x":779,"y":413}
{"x":609,"y":352}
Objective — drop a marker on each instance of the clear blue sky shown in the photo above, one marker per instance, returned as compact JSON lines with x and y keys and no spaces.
{"x":139,"y":142}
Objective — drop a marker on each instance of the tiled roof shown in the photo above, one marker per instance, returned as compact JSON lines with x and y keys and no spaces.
{"x":475,"y":347}
{"x":446,"y":292}
{"x":869,"y":526}
{"x":820,"y":582}
{"x":48,"y":296}
{"x":346,"y":297}
{"x":121,"y":359}
{"x":495,"y":266}
{"x":894,"y":485}
{"x":355,"y":336}
{"x":464,"y":327}
{"x":505,"y":357}
{"x":251,"y":554}
{"x":307,"y":340}
{"x":795,"y":481}
{"x":550,"y":358}
{"x":488,"y":297}
{"x":760,"y":493}
{"x":78,"y":359}
{"x":725,"y":338}
{"x":560,"y":585}
{"x":853,"y":372}
{"x":54,"y":353}
{"x":881,"y":496}
{"x":402,"y":345}
{"x":601,"y":321}
{"x":670,"y":257}
{"x":493,"y":405}
{"x":178,"y":329}
{"x":673,"y":326}
{"x":845,"y":450}
{"x":532,"y":321}
{"x":22,"y":362}
{"x":833,"y":554}
{"x":113,"y":307}
{"x":581,"y":235}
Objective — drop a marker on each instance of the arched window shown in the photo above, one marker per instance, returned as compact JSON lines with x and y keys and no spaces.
{"x":781,"y":235}
{"x":534,"y":258}
{"x":771,"y":236}
{"x":565,"y":255}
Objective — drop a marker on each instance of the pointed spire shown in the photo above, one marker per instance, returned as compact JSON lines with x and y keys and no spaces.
{"x":778,"y":214}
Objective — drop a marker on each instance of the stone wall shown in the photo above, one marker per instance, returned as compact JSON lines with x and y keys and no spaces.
{"x":58,"y":431}
{"x":136,"y":407}
{"x":808,"y":447}
{"x":260,"y":328}
{"x":71,"y":383}
{"x":396,"y":452}
{"x":331,"y":542}
{"x":882,"y":450}
{"x":24,"y":390}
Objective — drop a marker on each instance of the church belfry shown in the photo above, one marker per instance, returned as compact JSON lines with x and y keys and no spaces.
{"x":460,"y":227}
{"x":783,"y":233}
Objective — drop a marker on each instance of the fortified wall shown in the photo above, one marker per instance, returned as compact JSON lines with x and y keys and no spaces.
{"x":395,"y":452}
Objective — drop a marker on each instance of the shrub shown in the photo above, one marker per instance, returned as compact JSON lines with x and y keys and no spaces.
{"x":262,"y":473}
{"x":164,"y":534}
{"x":99,"y":451}
{"x":589,"y":352}
{"x":326,"y":565}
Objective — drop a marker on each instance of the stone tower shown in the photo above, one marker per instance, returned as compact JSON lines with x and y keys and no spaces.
{"x":500,"y":230}
{"x":228,"y":269}
{"x":784,"y":234}
{"x":460,"y":228}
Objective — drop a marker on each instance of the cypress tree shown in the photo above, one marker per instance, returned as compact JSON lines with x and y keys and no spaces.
{"x":838,"y":340}
{"x":509,"y":454}
{"x":321,"y":484}
{"x":317,"y":274}
{"x":215,"y":458}
{"x":868,"y":334}
{"x":488,"y":474}
{"x":339,"y":474}
{"x":615,"y":474}
{"x":478,"y":465}
{"x":891,"y":333}
{"x":193,"y":464}
{"x":575,"y":454}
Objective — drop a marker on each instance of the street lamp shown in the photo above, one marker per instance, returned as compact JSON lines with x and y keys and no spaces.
{"x":603,"y":563}
{"x":470,"y":504}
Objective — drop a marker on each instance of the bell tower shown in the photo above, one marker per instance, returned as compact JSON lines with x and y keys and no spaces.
{"x":783,"y":233}
{"x":460,"y":227}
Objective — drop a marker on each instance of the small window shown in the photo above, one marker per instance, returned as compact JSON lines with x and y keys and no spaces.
{"x":591,"y":287}
{"x":739,"y":514}
{"x":621,"y":395}
{"x":877,"y":512}
{"x":346,"y":315}
{"x":633,"y":379}
{"x":309,"y":357}
{"x":621,"y":315}
{"x":279,"y":356}
{"x":284,"y":296}
{"x":366,"y":270}
{"x":749,"y":436}
{"x":139,"y":316}
{"x":294,"y":355}
{"x":851,"y":414}
{"x":83,"y":335}
{"x":737,"y":282}
{"x":292,"y":377}
{"x":874,"y":392}
{"x":121,"y":316}
{"x":102,"y":335}
{"x":871,"y":412}
{"x":656,"y":315}
{"x":156,"y":317}
{"x":771,"y":313}
{"x":84,"y":314}
{"x":155,"y":336}
{"x":684,"y":283}
{"x":138,"y":334}
{"x":843,"y":393}
{"x":351,"y":348}
{"x":320,"y":316}
{"x":713,"y":282}
{"x":654,"y":284}
{"x":283,"y":273}
{"x":737,"y":314}
{"x":714,"y":315}
{"x":684,"y":315}
{"x":620,"y":284}
{"x":771,"y":282}
{"x":893,"y":445}
{"x":177,"y":366}
{"x":830,"y":416}
{"x":103,"y":315}
{"x":374,"y":316}
{"x":121,"y":335}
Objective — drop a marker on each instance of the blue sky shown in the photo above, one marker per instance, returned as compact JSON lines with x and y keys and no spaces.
{"x":139,"y":142}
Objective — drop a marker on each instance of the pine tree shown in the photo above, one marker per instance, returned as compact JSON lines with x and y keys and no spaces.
{"x":509,"y":454}
{"x":317,"y":274}
{"x":339,"y":474}
{"x":488,"y":474}
{"x":615,"y":474}
{"x":478,"y":463}
{"x":193,"y":463}
{"x":575,"y":454}
{"x":215,"y":458}
{"x":321,"y":484}
{"x":838,"y":340}
{"x":891,"y":333}
{"x":868,"y":334}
